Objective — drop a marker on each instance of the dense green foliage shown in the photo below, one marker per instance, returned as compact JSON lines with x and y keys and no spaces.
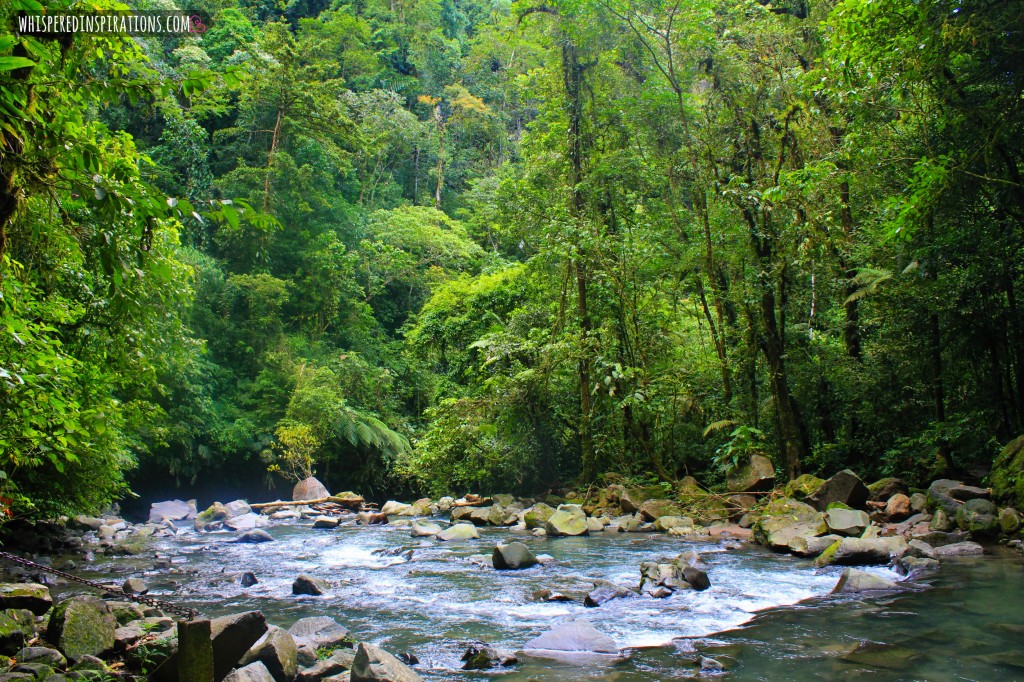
{"x":452,"y":245}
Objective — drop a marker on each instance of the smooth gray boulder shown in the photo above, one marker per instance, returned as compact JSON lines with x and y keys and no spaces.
{"x":460,"y":531}
{"x":172,"y":510}
{"x":319,"y":632}
{"x":422,"y":528}
{"x":309,"y":489}
{"x":574,"y":637}
{"x":845,"y":487}
{"x":254,"y":537}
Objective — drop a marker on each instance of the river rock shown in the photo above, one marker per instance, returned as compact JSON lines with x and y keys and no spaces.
{"x":238,"y":508}
{"x":135,"y":586}
{"x":82,"y":625}
{"x":848,"y":522}
{"x":605,"y":591}
{"x":17,"y":627}
{"x":921,"y":549}
{"x":898,"y":507}
{"x":309,"y":489}
{"x":32,"y":596}
{"x":939,"y":539}
{"x":537,"y":515}
{"x":785,"y":519}
{"x":421,"y":528}
{"x":212,"y":517}
{"x":1009,"y":520}
{"x":696,"y":577}
{"x":949,"y":495}
{"x":395,"y":508}
{"x":577,"y":636}
{"x":254,"y":672}
{"x":882,"y":489}
{"x":512,"y":556}
{"x":171,"y":510}
{"x":460,"y":531}
{"x":493,"y":515}
{"x":854,"y":581}
{"x":803,"y":486}
{"x":373,"y":664}
{"x":655,"y":509}
{"x":757,"y":475}
{"x":371,"y":518}
{"x":480,"y":656}
{"x":979,"y":517}
{"x":245,"y":522}
{"x":568,"y":519}
{"x":307,"y":584}
{"x":445,"y":503}
{"x":319,"y":632}
{"x":254,"y":537}
{"x":914,"y":567}
{"x":866,"y":551}
{"x":277,"y":650}
{"x":665,"y":523}
{"x":337,"y":665}
{"x":811,"y":546}
{"x":959,"y":549}
{"x":326,"y":522}
{"x":845,"y":488}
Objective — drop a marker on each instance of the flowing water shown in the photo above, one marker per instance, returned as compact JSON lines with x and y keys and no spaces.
{"x":766,"y":616}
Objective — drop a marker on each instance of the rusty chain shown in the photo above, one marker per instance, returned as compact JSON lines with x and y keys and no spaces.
{"x":149,"y":601}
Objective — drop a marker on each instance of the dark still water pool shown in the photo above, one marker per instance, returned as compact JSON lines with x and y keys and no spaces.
{"x":766,"y":616}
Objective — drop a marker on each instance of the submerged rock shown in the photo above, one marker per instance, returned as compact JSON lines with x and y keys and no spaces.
{"x":253,"y":537}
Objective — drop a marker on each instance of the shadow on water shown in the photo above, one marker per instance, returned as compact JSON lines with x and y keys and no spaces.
{"x":766,"y":616}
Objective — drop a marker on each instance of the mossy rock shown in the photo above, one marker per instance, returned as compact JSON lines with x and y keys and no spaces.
{"x":649,"y":492}
{"x":828,"y":557}
{"x":838,"y":505}
{"x":537,"y":515}
{"x":82,"y":626}
{"x":803,"y":486}
{"x":17,"y":626}
{"x":1007,"y":478}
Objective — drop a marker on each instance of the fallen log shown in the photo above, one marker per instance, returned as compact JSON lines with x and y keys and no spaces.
{"x":354,"y":502}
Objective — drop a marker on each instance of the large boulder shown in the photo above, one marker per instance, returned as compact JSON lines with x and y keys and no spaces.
{"x":254,"y":537}
{"x":958,"y":549}
{"x":979,"y":517}
{"x":1007,"y":475}
{"x":244,"y":522}
{"x":655,"y":509}
{"x":843,"y":488}
{"x":849,"y":522}
{"x":309,"y":489}
{"x":785,"y":519}
{"x":854,"y":581}
{"x":32,"y":596}
{"x":373,"y":664}
{"x":319,"y":632}
{"x":537,"y":515}
{"x":172,"y":510}
{"x":756,"y":476}
{"x":569,"y":519}
{"x":512,"y":556}
{"x":82,"y":626}
{"x":949,"y":495}
{"x":577,"y":636}
{"x":605,"y":591}
{"x":278,"y":652}
{"x":460,"y":531}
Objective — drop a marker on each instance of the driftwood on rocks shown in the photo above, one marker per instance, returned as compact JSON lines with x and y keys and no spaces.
{"x":356,"y":502}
